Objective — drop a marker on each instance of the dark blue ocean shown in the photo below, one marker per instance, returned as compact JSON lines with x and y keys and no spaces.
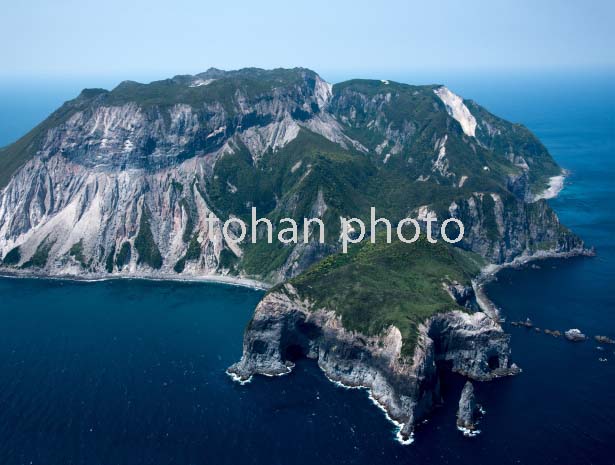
{"x":132,"y":372}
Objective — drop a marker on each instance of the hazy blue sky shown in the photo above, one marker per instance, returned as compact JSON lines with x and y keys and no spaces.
{"x":149,"y":39}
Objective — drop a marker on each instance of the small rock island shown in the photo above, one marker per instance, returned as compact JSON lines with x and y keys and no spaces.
{"x":468,"y":412}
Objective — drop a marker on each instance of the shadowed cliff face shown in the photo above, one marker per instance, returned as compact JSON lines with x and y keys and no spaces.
{"x":284,"y":327}
{"x":121,"y":181}
{"x":502,"y":228}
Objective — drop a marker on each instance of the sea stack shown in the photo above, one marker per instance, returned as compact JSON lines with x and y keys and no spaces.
{"x":468,"y":412}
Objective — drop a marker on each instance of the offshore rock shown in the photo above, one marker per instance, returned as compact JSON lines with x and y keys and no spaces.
{"x":468,"y":411}
{"x":575,"y":335}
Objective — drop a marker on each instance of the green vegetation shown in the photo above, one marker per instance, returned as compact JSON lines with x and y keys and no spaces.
{"x":145,"y":245}
{"x":378,"y":285}
{"x":228,"y":260}
{"x":12,"y":257}
{"x":406,"y":102}
{"x":192,"y":253}
{"x":261,"y":259}
{"x":252,"y":81}
{"x":177,"y":186}
{"x":525,"y":143}
{"x":41,"y":255}
{"x":76,"y":251}
{"x":194,"y":249}
{"x":189,"y":221}
{"x":109,"y":261}
{"x":180,"y":265}
{"x":289,"y":184}
{"x":123,"y":256}
{"x":489,"y":221}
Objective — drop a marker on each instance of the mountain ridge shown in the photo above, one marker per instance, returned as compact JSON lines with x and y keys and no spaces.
{"x":283,"y":140}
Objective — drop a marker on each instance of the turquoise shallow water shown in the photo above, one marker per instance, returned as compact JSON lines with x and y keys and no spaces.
{"x":132,"y":372}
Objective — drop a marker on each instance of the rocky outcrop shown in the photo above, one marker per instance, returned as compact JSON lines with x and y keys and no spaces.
{"x":284,"y":328}
{"x":575,"y":335}
{"x":468,"y":411}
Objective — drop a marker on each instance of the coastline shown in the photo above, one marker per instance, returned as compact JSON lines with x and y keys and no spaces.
{"x":556,"y":184}
{"x":399,"y":437}
{"x":489,"y":272}
{"x":485,"y":275}
{"x":98,"y":277}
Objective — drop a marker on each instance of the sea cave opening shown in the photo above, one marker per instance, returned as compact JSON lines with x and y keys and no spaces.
{"x":494,"y":362}
{"x":293,"y":352}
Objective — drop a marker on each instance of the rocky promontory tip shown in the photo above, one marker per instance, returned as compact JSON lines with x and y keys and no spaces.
{"x":286,"y":326}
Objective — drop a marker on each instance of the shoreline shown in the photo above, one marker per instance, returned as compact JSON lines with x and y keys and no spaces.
{"x":92,"y":278}
{"x":399,"y":426}
{"x":489,"y":273}
{"x":556,"y":185}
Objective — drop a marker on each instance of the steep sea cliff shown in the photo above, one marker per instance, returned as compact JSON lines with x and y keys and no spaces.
{"x":120,"y":183}
{"x":158,"y":392}
{"x":284,"y":328}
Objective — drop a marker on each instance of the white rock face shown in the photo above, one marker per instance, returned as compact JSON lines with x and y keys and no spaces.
{"x":43,"y":208}
{"x":425,"y":214}
{"x":113,"y":136}
{"x":323,"y":92}
{"x":296,"y":166}
{"x":441,"y":163}
{"x":328,"y":127}
{"x":457,"y":109}
{"x":273,"y":136}
{"x":201,"y":82}
{"x":498,"y":212}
